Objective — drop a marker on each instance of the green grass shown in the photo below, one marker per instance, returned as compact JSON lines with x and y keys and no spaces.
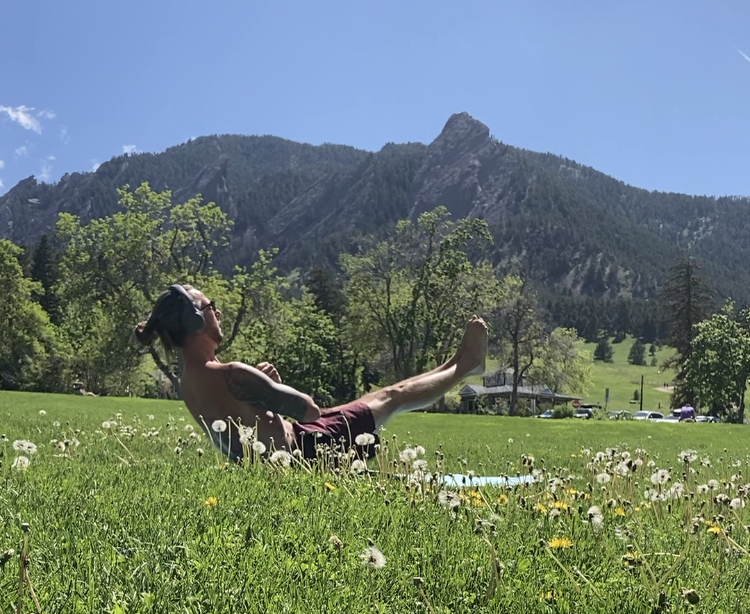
{"x":123,"y":523}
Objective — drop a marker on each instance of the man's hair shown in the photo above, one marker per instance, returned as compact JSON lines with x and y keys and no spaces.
{"x":164,"y":322}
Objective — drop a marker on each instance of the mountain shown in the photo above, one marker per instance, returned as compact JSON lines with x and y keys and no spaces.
{"x":580,"y":231}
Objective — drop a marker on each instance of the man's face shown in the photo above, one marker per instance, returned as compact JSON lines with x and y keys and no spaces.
{"x":211,"y":314}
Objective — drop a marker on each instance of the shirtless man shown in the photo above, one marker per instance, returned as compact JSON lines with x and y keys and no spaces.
{"x":185,"y":319}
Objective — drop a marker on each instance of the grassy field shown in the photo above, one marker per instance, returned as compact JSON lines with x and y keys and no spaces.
{"x":142,"y":516}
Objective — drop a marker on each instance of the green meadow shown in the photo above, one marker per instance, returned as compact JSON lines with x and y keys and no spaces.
{"x":125,"y":508}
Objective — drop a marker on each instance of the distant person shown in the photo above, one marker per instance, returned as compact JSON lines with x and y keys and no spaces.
{"x":79,"y":389}
{"x":184,"y":318}
{"x":687,"y":413}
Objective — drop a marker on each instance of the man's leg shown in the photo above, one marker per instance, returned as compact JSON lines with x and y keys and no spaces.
{"x":423,"y":390}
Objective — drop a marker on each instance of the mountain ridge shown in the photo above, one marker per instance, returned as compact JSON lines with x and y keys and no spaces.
{"x":582,"y":231}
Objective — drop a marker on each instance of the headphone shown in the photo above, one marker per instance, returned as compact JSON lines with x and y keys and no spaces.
{"x":190,"y":317}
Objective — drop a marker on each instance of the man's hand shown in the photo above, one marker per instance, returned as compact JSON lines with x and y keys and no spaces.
{"x":269,"y":370}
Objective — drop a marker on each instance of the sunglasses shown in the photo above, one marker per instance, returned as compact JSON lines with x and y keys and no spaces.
{"x":212,"y":305}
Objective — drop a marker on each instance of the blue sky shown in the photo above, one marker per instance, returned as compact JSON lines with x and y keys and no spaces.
{"x":654,"y":93}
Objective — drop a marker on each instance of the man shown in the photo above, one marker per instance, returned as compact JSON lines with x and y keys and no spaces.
{"x":184,"y":318}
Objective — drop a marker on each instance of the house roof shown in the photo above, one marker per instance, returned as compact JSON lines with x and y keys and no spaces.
{"x":541,"y":392}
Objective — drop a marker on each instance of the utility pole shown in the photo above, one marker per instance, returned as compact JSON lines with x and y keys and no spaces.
{"x":641,"y":393}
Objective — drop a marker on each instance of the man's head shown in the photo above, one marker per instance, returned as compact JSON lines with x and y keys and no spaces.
{"x":180,"y":312}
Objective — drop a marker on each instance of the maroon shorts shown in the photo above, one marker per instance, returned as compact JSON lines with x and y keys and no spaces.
{"x":335,"y":427}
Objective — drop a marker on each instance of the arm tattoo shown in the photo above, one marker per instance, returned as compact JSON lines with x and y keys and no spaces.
{"x":246,"y":386}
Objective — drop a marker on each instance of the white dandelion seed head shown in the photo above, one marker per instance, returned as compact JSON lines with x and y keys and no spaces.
{"x":420,"y":450}
{"x":600,"y":457}
{"x":651,"y":464}
{"x":554,"y":513}
{"x":218,"y":426}
{"x":151,"y":417}
{"x":638,"y":462}
{"x":713,"y":484}
{"x":22,"y":445}
{"x":449,"y":499}
{"x":20,"y":463}
{"x":510,"y":440}
{"x":364,"y":439}
{"x":660,"y":478}
{"x":372,"y":557}
{"x":106,"y":425}
{"x":675,"y":491}
{"x":358,"y":466}
{"x":625,"y":455}
{"x":189,"y":428}
{"x":281,"y":458}
{"x":419,"y":465}
{"x":622,"y":470}
{"x":259,"y":447}
{"x":736,"y":504}
{"x":407,"y":455}
{"x":42,"y":412}
{"x":688,"y":456}
{"x":702,"y":489}
{"x":56,"y":424}
{"x":603,"y":478}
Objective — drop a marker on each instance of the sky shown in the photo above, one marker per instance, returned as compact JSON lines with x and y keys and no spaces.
{"x":656,"y":94}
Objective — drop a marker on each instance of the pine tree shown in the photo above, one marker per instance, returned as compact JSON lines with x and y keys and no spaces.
{"x":603,"y":350}
{"x":637,"y":354}
{"x":685,"y":300}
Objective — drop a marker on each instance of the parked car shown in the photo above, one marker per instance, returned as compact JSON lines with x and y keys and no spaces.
{"x":620,"y":415}
{"x":545,"y":414}
{"x":712,"y":419}
{"x":584,"y":413}
{"x":673,"y":417}
{"x":648,"y":415}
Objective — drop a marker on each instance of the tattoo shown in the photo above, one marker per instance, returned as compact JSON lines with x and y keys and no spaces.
{"x":245,"y":385}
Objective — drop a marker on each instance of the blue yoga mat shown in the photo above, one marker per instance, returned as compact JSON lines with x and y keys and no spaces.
{"x":460,"y":480}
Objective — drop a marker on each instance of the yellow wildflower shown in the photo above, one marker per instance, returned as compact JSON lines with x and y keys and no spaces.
{"x":502,"y":499}
{"x":330,"y":487}
{"x":560,"y":542}
{"x":715,"y":529}
{"x":572,"y":492}
{"x":211,"y":502}
{"x":561,"y":505}
{"x":620,"y":511}
{"x":540,"y":507}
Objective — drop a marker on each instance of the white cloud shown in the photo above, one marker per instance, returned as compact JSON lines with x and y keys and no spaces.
{"x":2,"y":164}
{"x":23,"y":117}
{"x":95,"y":164}
{"x":46,"y":173}
{"x":1,"y":184}
{"x":22,"y":151}
{"x":129,"y":149}
{"x":47,"y":114}
{"x":64,"y":135}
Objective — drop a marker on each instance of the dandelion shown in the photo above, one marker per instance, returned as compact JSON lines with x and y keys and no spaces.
{"x":702,"y":489}
{"x":259,"y":447}
{"x":560,"y":505}
{"x":541,"y":508}
{"x":713,"y":484}
{"x":419,"y":465}
{"x":502,"y":499}
{"x":364,"y":439}
{"x":736,"y":504}
{"x":603,"y":478}
{"x":151,"y":417}
{"x":106,"y":425}
{"x":218,"y":426}
{"x":21,"y":445}
{"x":282,"y":458}
{"x":200,"y":451}
{"x":676,"y":490}
{"x":407,"y":455}
{"x":211,"y":502}
{"x":715,"y":529}
{"x":42,"y":412}
{"x":449,"y":499}
{"x":622,"y":469}
{"x":510,"y":441}
{"x":660,"y":478}
{"x":554,"y":513}
{"x":372,"y":557}
{"x":595,"y":517}
{"x":560,"y":542}
{"x":358,"y":466}
{"x":189,"y":428}
{"x":620,"y":511}
{"x":246,"y":435}
{"x":688,"y":456}
{"x":20,"y":463}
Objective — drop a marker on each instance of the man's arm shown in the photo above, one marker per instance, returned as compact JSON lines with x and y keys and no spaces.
{"x":248,"y":384}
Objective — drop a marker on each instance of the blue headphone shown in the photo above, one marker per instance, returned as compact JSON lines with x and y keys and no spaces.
{"x":190,"y":317}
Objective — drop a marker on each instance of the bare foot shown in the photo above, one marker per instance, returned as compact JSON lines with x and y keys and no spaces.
{"x":472,"y":353}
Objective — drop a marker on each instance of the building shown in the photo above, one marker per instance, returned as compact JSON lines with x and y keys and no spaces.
{"x":498,"y":386}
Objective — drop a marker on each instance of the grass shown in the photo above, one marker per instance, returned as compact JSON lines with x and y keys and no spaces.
{"x":132,"y":518}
